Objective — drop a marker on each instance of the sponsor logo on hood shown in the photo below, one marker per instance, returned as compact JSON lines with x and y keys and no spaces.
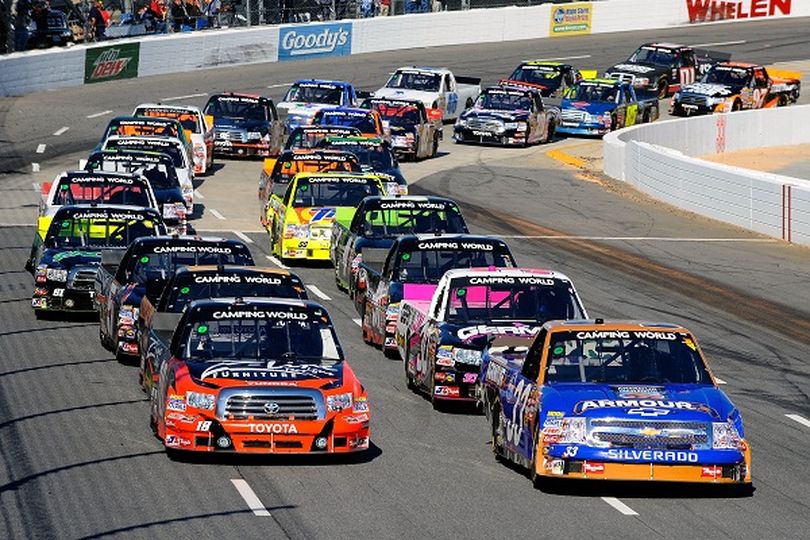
{"x":273,"y":370}
{"x":520,"y":330}
{"x":632,"y":68}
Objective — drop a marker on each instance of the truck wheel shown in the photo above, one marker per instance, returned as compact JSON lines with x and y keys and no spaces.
{"x":497,"y":448}
{"x":468,"y":104}
{"x":409,"y":383}
{"x":662,"y":88}
{"x":366,"y":328}
{"x":537,"y":480}
{"x":435,"y":150}
{"x":613,"y":123}
{"x":552,"y":128}
{"x":737,"y":105}
{"x":389,"y":353}
{"x":645,"y":118}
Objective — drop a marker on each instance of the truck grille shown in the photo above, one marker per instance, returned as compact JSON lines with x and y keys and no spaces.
{"x":270,"y":404}
{"x":480,"y":124}
{"x":82,"y":279}
{"x":652,"y":434}
{"x":624,"y":77}
{"x":231,"y":135}
{"x":573,"y":116}
{"x":693,"y":100}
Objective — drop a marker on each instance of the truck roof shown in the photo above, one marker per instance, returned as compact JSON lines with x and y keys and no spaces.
{"x":664,"y":45}
{"x":254,"y":304}
{"x":612,"y":325}
{"x":167,"y":241}
{"x":175,"y":108}
{"x":407,"y":201}
{"x":425,"y":69}
{"x":504,"y":272}
{"x":322,"y":83}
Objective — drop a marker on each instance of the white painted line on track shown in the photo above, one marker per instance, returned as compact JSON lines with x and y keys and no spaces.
{"x":243,"y":237}
{"x":41,"y":148}
{"x":720,"y":43}
{"x":35,"y":167}
{"x":60,"y":131}
{"x":317,"y":292}
{"x":620,"y":506}
{"x":580,"y":57}
{"x":276,"y":261}
{"x":720,"y":381}
{"x":250,"y":497}
{"x":799,"y":418}
{"x":198,"y":194}
{"x":358,"y":322}
{"x":216,"y":214}
{"x":35,"y":185}
{"x":637,"y":238}
{"x":16,"y":225}
{"x":187,"y":96}
{"x":280,"y":85}
{"x":96,"y":115}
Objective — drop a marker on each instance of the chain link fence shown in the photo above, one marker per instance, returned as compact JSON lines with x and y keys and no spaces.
{"x":34,"y":24}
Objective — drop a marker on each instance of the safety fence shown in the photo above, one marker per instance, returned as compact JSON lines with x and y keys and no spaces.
{"x":660,"y":159}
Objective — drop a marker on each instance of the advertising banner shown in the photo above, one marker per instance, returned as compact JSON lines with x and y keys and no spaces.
{"x":724,"y":10}
{"x":315,"y":41}
{"x":111,"y":62}
{"x":571,"y":20}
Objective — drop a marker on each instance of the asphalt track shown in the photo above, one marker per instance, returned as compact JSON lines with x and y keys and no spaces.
{"x":76,"y":456}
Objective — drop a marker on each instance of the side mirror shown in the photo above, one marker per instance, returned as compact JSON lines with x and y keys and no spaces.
{"x":82,"y":164}
{"x":45,"y":188}
{"x":209,"y":121}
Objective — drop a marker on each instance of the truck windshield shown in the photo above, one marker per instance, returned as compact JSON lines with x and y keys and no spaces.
{"x":142,"y":129}
{"x":393,"y":222}
{"x":363,"y":122}
{"x":174,"y":151}
{"x":310,"y":136}
{"x":267,"y":339}
{"x":653,"y":55}
{"x":512,"y":302}
{"x":625,"y":357}
{"x":312,"y":194}
{"x":236,"y":108}
{"x":190,"y":120}
{"x":194,"y":287}
{"x":430,"y":266}
{"x":375,"y":156}
{"x":726,"y":76}
{"x":100,"y":231}
{"x":546,"y":76}
{"x":151,"y":265}
{"x":415,"y":80}
{"x":328,"y":94}
{"x":593,"y":93}
{"x":504,"y":101}
{"x":399,"y":115}
{"x":101,"y":191}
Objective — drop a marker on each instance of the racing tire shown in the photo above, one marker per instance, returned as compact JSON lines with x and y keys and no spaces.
{"x":645,"y":119}
{"x":497,"y":449}
{"x":388,"y":353}
{"x":552,"y":130}
{"x":104,"y":341}
{"x":366,"y":337}
{"x":40,"y":315}
{"x":662,"y":88}
{"x":468,"y":104}
{"x":737,"y":106}
{"x":537,"y":481}
{"x":409,"y":382}
{"x":613,"y":123}
{"x":437,"y":404}
{"x":435,"y":149}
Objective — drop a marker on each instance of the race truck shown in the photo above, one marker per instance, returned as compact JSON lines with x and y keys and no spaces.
{"x":375,"y":156}
{"x":552,"y":79}
{"x":157,"y":321}
{"x":142,"y":271}
{"x":736,"y":86}
{"x":664,"y":68}
{"x":367,"y":122}
{"x":65,"y":261}
{"x":410,"y":270}
{"x":598,"y":106}
{"x":139,"y":126}
{"x":245,"y":125}
{"x":611,"y":400}
{"x":258,"y":376}
{"x":158,"y":169}
{"x":308,"y":137}
{"x":306,"y":97}
{"x":507,"y":115}
{"x":415,"y":131}
{"x":301,"y":222}
{"x":172,"y":147}
{"x":441,"y":338}
{"x":379,"y":221}
{"x":437,"y":88}
{"x":277,"y":173}
{"x":84,"y":187}
{"x":198,"y":128}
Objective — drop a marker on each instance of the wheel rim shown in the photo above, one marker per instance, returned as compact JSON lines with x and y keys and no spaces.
{"x":663,"y":89}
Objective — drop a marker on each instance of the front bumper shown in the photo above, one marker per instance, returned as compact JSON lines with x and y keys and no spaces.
{"x":50,"y":298}
{"x":315,"y":250}
{"x":235,"y":148}
{"x":687,"y":109}
{"x":577,"y":128}
{"x":334,"y":435}
{"x":505,"y":138}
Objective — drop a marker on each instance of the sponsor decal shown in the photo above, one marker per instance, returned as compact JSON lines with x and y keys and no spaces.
{"x":722,"y":10}
{"x":358,"y":419}
{"x":640,"y":392}
{"x":275,"y":428}
{"x":111,"y":62}
{"x":708,"y":89}
{"x":227,"y":370}
{"x":69,"y":254}
{"x":593,"y":468}
{"x":176,"y":402}
{"x":448,"y":391}
{"x":470,"y":378}
{"x":192,"y":249}
{"x":448,"y":245}
{"x":632,"y":68}
{"x":470,"y":332}
{"x":172,"y":440}
{"x":283,"y":315}
{"x":97,"y":180}
{"x":415,"y":205}
{"x":622,"y":334}
{"x":317,"y":40}
{"x":117,"y":216}
{"x":509,"y":280}
{"x":711,"y":471}
{"x":257,"y":280}
{"x":446,"y":362}
{"x":651,"y":404}
{"x":621,"y":454}
{"x":184,"y":418}
{"x":571,"y":20}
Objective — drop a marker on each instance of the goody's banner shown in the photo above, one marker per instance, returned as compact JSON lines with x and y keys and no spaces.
{"x":571,"y":19}
{"x":314,"y":41}
{"x":111,"y":62}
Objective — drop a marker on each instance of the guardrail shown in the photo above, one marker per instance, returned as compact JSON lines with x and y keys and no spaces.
{"x":22,"y":73}
{"x":660,"y":160}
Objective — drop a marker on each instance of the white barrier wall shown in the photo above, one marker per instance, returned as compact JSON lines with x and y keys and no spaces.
{"x":22,"y":73}
{"x":659,"y":159}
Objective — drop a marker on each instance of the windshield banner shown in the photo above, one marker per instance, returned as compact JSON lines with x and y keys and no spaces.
{"x":111,"y":62}
{"x":315,"y":41}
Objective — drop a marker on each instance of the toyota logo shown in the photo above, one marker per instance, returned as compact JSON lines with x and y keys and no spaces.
{"x":271,"y":407}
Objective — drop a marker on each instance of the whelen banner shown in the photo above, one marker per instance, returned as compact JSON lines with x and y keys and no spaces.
{"x":571,"y":20}
{"x":111,"y":62}
{"x":724,"y":10}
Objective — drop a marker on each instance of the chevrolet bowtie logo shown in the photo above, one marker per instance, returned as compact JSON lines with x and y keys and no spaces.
{"x":650,"y":432}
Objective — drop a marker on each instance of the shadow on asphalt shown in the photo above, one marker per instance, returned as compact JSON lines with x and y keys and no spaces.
{"x":277,"y":460}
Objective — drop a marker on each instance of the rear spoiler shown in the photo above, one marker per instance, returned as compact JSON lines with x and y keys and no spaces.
{"x":374,"y":258}
{"x":714,"y":56}
{"x":589,"y":73}
{"x":468,"y":80}
{"x":778,"y":73}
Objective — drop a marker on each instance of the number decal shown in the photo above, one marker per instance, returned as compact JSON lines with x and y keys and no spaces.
{"x":204,"y":425}
{"x":687,"y":75}
{"x":570,"y":451}
{"x":758,"y":98}
{"x":452,"y":102}
{"x":632,"y":113}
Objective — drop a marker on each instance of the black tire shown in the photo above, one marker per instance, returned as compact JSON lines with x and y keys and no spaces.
{"x":737,"y":106}
{"x":662,"y":88}
{"x":537,"y":480}
{"x":613,"y":123}
{"x":645,"y":118}
{"x":388,"y":353}
{"x":497,"y":449}
{"x":409,"y":382}
{"x":552,"y":130}
{"x":434,"y":152}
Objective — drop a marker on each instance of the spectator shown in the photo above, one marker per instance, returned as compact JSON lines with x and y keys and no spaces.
{"x":22,"y":15}
{"x":97,"y":20}
{"x":212,"y":12}
{"x":179,"y":15}
{"x":366,"y":8}
{"x":194,"y":13}
{"x":436,"y":5}
{"x":385,"y":7}
{"x":325,"y":10}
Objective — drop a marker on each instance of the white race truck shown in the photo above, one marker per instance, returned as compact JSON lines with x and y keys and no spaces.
{"x":437,"y":88}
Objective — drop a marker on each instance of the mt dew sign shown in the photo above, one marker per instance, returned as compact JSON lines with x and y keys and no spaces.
{"x":111,"y":62}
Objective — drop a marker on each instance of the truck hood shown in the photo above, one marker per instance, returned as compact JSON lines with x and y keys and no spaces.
{"x":279,"y":372}
{"x":399,"y":93}
{"x":708,"y":90}
{"x":639,"y":70}
{"x":64,"y":258}
{"x":239,"y":123}
{"x":325,"y":216}
{"x":477,"y":335}
{"x":589,"y":107}
{"x":503,"y":116}
{"x":302,"y":108}
{"x":684,"y":402}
